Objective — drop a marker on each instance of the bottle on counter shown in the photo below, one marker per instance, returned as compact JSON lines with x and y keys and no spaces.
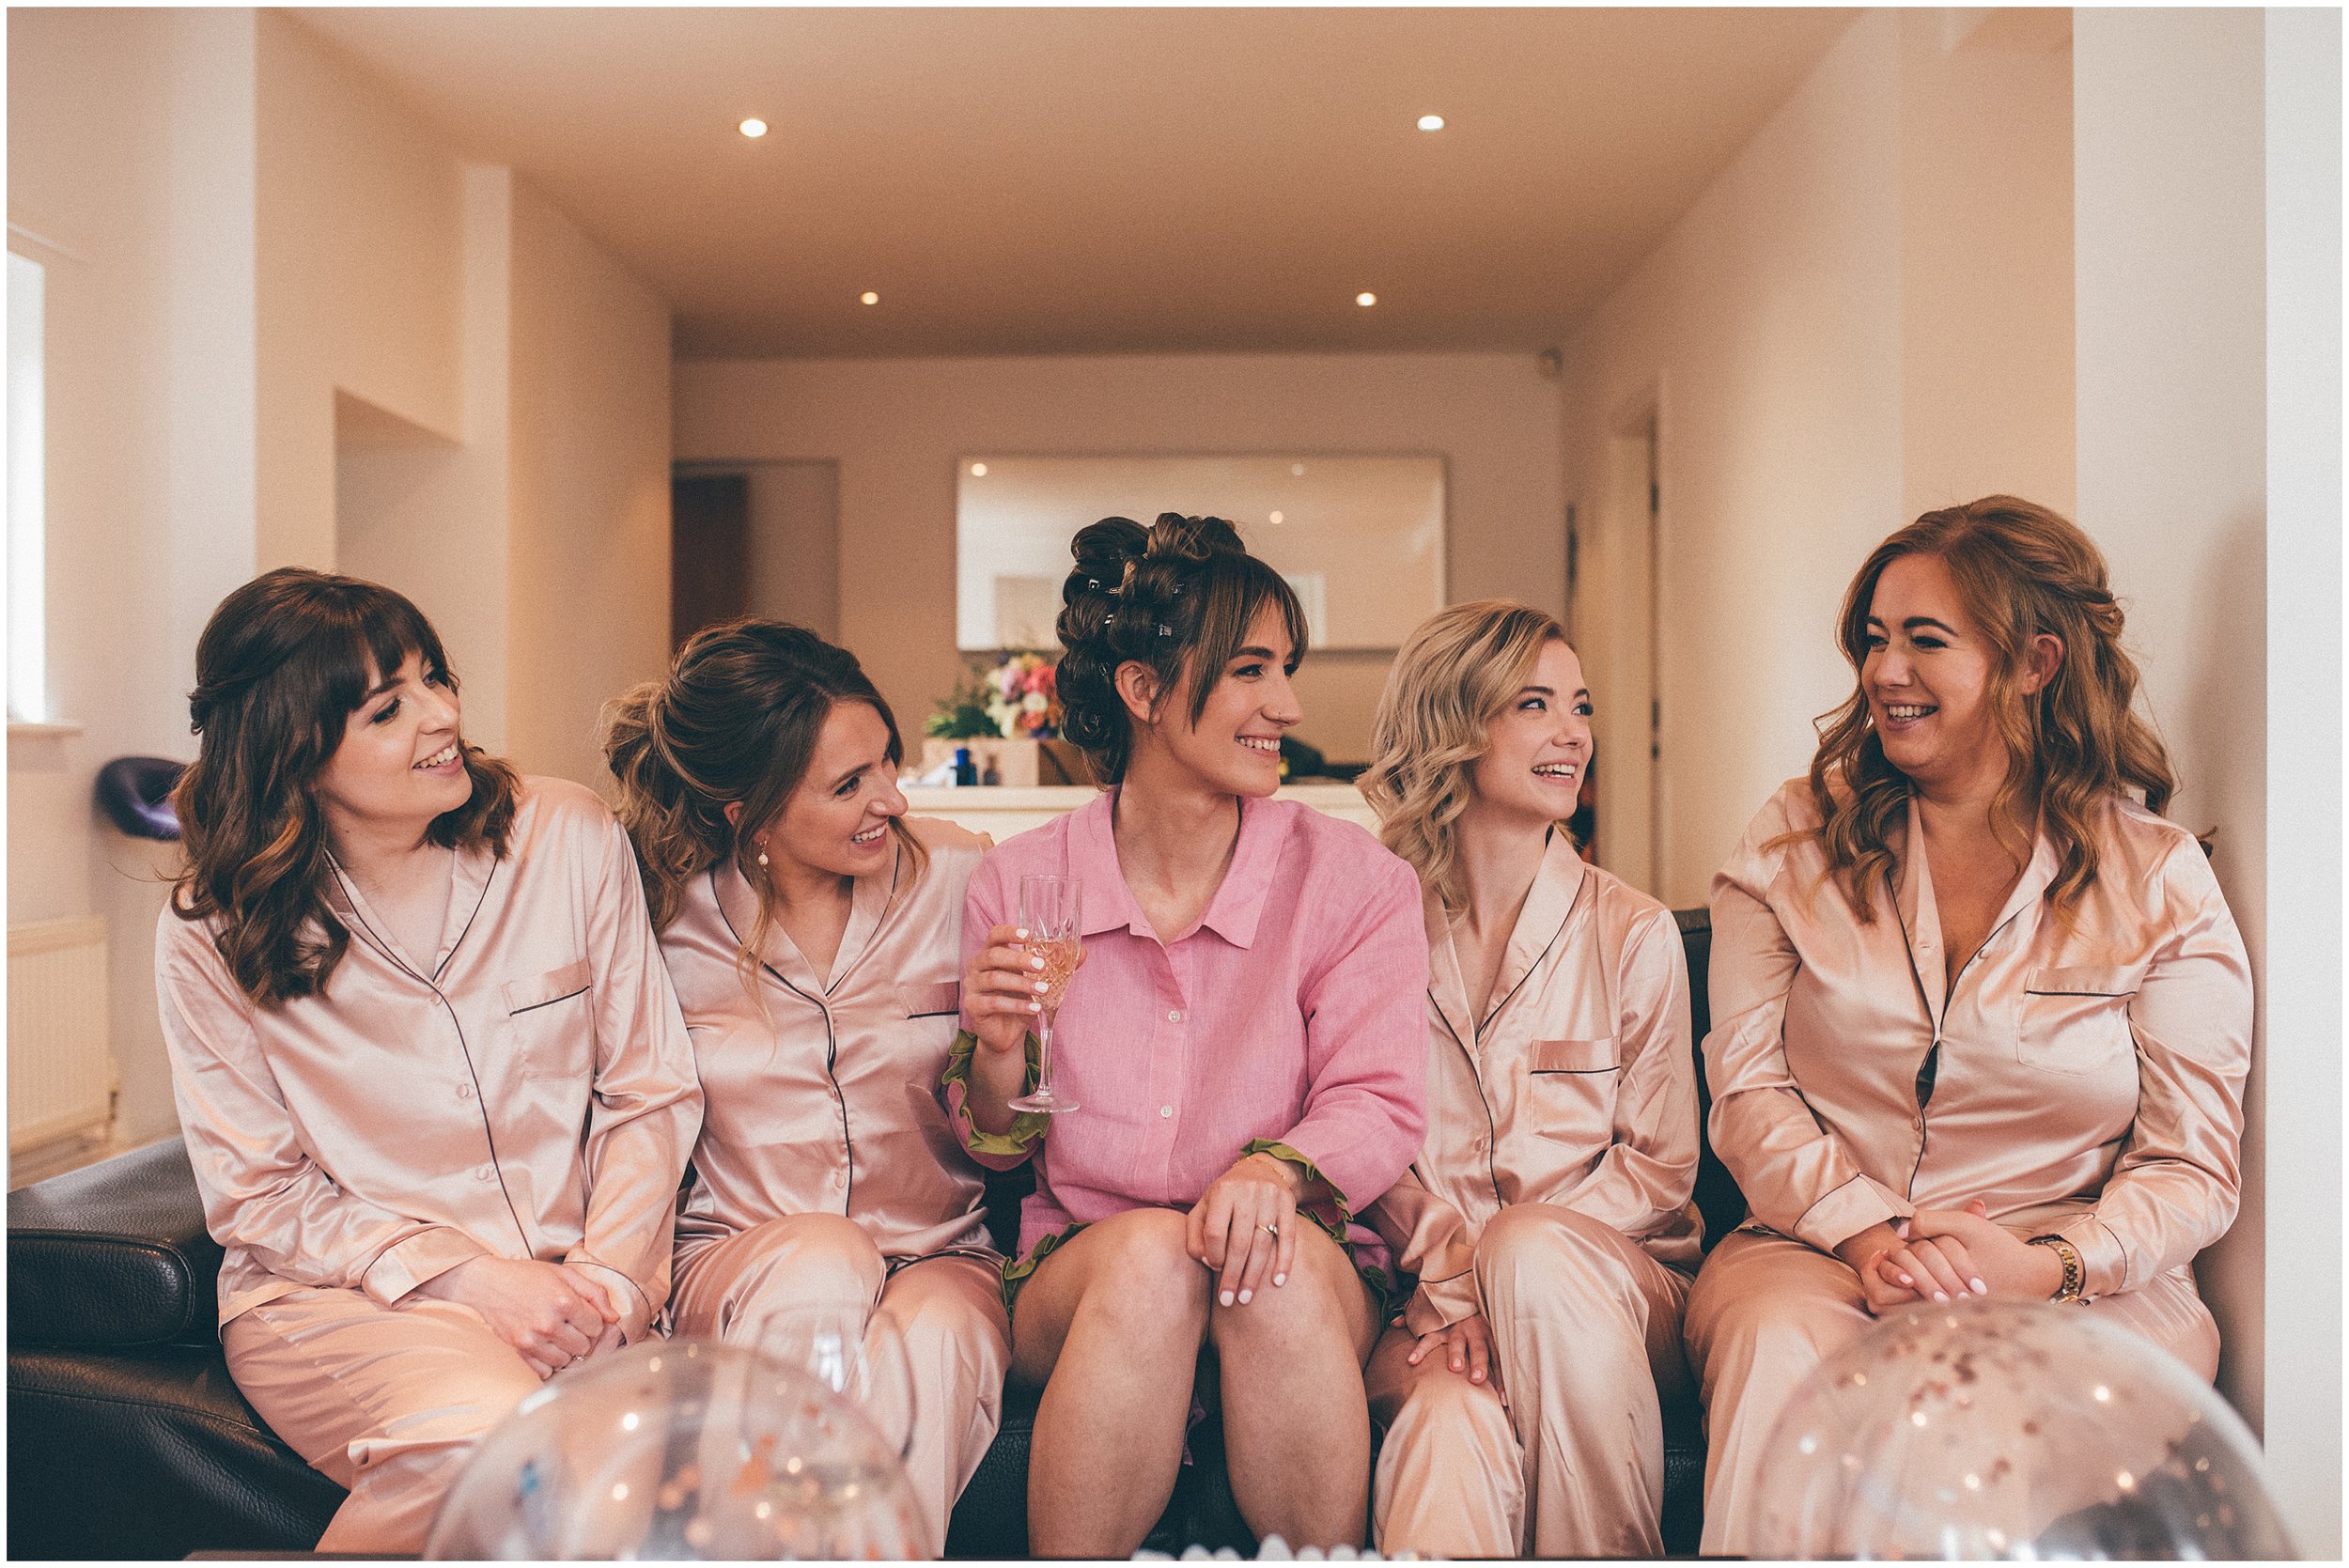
{"x":966,"y":770}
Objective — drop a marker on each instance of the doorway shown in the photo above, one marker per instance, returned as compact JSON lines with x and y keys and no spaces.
{"x":756,"y":538}
{"x":1615,"y":553}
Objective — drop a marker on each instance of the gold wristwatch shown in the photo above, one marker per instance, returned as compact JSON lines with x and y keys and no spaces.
{"x":2074,"y":1276}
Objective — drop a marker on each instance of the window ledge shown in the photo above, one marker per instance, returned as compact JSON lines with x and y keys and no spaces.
{"x":20,"y":729}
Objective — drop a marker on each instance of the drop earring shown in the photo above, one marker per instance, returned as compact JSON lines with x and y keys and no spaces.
{"x":761,"y":842}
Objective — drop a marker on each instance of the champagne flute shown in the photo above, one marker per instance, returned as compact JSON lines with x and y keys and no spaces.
{"x":1050,"y":908}
{"x":855,"y":1352}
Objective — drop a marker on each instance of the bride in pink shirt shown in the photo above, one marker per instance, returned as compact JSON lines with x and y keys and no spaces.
{"x":1246,"y":1045}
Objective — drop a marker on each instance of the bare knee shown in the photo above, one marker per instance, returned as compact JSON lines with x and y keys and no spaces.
{"x":1144,"y":1280}
{"x":1320,"y":1300}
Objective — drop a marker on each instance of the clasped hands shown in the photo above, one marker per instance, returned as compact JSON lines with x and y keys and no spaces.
{"x":1947,"y":1255}
{"x":551,"y":1313}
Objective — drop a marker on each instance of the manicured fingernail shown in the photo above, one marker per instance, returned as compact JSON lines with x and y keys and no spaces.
{"x":1280,"y":1279}
{"x":1938,"y":1296}
{"x":1245,"y":1296}
{"x":1906,"y":1280}
{"x":1035,"y":1007}
{"x":1981,"y":1289}
{"x":1020,"y":932}
{"x":1036,"y":963}
{"x":1227,"y":1298}
{"x":1042,"y":987}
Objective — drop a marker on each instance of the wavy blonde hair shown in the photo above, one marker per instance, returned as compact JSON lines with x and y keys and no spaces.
{"x":2022,"y":571}
{"x":735,"y":722}
{"x":1454,"y":676}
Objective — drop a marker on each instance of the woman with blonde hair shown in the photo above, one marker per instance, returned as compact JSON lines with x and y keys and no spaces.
{"x":814,"y":932}
{"x":1981,"y":1015}
{"x":433,"y":1078}
{"x":1547,"y":1217}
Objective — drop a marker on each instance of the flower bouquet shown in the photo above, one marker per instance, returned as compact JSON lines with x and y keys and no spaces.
{"x":1009,"y":716}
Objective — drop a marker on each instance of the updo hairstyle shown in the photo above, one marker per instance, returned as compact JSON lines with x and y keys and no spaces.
{"x":1177,"y":598}
{"x":735,"y":722}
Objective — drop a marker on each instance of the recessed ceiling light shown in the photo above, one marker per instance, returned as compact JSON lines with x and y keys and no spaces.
{"x":1365,"y":299}
{"x":753,"y":129}
{"x":1276,"y":517}
{"x":1431,"y":122}
{"x":868,"y":297}
{"x":978,"y":470}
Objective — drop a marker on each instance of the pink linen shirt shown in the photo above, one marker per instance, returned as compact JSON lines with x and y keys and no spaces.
{"x":1291,"y":1012}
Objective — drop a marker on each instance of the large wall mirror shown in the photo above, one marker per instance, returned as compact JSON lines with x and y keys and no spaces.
{"x":1360,"y":536}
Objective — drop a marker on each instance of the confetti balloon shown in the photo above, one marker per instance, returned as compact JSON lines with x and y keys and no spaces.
{"x":1984,"y":1430}
{"x":675,"y":1449}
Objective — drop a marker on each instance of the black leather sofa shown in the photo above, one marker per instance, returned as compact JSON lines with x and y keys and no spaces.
{"x":127,"y":1439}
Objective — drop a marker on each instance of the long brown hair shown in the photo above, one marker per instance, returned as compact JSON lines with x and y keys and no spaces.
{"x":735,"y":722}
{"x":1452,"y":676}
{"x":281,"y":667}
{"x":2022,"y":571}
{"x":1175,"y":597}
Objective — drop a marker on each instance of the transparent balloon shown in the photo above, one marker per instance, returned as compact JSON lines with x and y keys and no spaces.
{"x":1986,"y":1430}
{"x":677,"y":1449}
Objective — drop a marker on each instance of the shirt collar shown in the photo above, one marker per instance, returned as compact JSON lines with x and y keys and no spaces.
{"x":1239,"y":902}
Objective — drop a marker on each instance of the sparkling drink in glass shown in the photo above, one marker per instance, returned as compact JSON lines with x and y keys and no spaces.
{"x":1049,"y":911}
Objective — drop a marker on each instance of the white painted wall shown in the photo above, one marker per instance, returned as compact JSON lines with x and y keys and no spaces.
{"x":360,"y":281}
{"x":259,"y":235}
{"x":2180,"y":191}
{"x":1765,"y":332}
{"x":896,"y":427}
{"x":2302,"y":1194}
{"x":587,"y":607}
{"x":150,"y":378}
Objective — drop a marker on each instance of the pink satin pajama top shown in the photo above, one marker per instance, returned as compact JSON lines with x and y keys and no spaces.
{"x":2088,"y":1077}
{"x":525,"y":1091}
{"x":1577,"y":1088}
{"x":822,"y":1090}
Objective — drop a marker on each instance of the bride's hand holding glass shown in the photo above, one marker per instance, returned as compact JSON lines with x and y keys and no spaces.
{"x":1016,"y":985}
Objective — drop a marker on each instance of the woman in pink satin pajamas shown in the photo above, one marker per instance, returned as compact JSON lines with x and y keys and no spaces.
{"x":1245,"y":1045}
{"x":813,"y":932}
{"x":431,"y":1075}
{"x":1982,"y":1017}
{"x":1548,"y":1216}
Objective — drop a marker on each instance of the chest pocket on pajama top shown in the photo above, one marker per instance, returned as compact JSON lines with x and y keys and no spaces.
{"x":553,"y":1022}
{"x":1570,"y":1089}
{"x":2076,"y":1019}
{"x":922,"y":1002}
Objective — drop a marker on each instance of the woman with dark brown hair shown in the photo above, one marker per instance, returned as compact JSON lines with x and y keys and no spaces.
{"x":1981,"y":1017}
{"x":1245,"y":1044}
{"x":431,"y":1075}
{"x":813,"y":932}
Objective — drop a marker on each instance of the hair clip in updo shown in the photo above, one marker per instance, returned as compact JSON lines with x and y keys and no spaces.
{"x":1165,"y":631}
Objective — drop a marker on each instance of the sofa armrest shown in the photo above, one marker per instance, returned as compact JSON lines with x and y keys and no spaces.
{"x":112,"y":1257}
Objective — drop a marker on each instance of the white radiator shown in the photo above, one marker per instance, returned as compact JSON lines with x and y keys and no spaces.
{"x":61,"y":1072}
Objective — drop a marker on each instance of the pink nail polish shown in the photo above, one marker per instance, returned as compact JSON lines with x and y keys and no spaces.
{"x":1227,"y":1298}
{"x":1280,"y":1279}
{"x":1245,"y":1296}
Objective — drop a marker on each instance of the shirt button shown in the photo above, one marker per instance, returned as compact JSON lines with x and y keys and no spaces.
{"x":464,"y":1090}
{"x":486,"y":1172}
{"x":1174,"y":1017}
{"x":1166,"y":1110}
{"x":839,"y":1178}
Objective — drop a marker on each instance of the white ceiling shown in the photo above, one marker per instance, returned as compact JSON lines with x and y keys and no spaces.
{"x":1087,"y":180}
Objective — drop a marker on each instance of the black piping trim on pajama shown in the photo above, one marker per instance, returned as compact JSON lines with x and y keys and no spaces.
{"x":465,"y":1047}
{"x":831,"y":1051}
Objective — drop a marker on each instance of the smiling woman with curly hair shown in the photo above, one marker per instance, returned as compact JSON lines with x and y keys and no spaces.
{"x":1982,"y":1017}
